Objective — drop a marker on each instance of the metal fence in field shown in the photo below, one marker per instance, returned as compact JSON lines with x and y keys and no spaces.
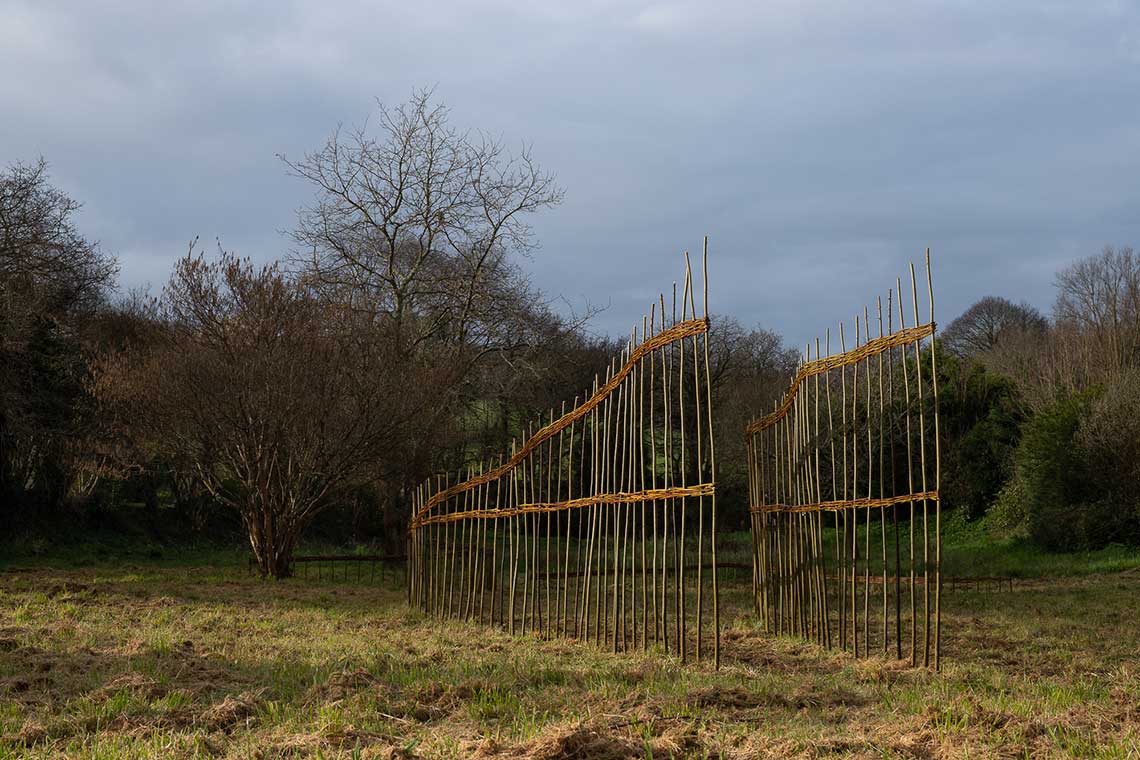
{"x":600,"y":524}
{"x":368,"y":568}
{"x":844,"y":488}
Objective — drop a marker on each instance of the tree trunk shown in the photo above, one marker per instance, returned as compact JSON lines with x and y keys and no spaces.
{"x":395,"y":519}
{"x":274,"y":561}
{"x":150,"y":493}
{"x":273,"y":545}
{"x":283,"y":566}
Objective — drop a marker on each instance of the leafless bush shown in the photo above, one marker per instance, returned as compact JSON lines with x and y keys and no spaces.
{"x":275,"y":399}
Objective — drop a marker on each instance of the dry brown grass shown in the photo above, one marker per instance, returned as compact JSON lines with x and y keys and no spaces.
{"x":210,"y":663}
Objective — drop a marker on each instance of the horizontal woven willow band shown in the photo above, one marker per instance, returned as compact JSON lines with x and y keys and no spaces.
{"x":622,"y":497}
{"x":873,"y":347}
{"x":836,"y":506}
{"x":679,"y":331}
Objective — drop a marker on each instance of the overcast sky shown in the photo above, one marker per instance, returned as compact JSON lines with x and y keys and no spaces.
{"x":821,"y":146}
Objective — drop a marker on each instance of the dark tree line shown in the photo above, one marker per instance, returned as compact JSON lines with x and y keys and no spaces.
{"x":399,"y":337}
{"x":1042,"y":413}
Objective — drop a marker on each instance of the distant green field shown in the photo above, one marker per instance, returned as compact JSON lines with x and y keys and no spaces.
{"x":968,"y":551}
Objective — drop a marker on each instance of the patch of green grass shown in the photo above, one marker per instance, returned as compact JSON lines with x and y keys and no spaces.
{"x":968,"y":550}
{"x":968,"y":553}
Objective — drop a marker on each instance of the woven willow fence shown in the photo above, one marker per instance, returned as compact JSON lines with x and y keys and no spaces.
{"x":844,"y":478}
{"x":600,"y":525}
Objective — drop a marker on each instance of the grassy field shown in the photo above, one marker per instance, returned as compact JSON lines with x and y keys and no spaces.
{"x":165,"y":657}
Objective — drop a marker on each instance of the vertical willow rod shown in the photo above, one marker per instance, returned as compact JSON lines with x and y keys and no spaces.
{"x":844,"y":614}
{"x":834,"y":497}
{"x":937,"y":481}
{"x":925,"y":502}
{"x":514,"y":530}
{"x":882,"y":483}
{"x":562,"y":617}
{"x":682,"y":639}
{"x":666,"y":506}
{"x":870,"y":486}
{"x":819,"y":494}
{"x":712,"y":469}
{"x":654,"y":506}
{"x":550,"y":608}
{"x":700,"y":472}
{"x":894,"y":483}
{"x":910,"y":486}
{"x":641,"y":481}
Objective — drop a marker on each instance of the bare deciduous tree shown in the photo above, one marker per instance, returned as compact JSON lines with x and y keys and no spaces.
{"x":45,"y":263}
{"x":278,"y":400}
{"x":1100,"y":297}
{"x":1094,"y":338}
{"x":51,"y":280}
{"x":417,"y":225}
{"x":990,"y":321}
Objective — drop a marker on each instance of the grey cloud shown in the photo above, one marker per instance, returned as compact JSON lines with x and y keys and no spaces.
{"x":821,"y":145}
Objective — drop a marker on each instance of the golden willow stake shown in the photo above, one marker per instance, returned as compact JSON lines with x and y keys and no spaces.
{"x":570,"y":534}
{"x":792,"y":455}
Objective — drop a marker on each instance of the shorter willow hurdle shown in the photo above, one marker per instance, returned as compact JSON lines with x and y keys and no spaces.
{"x":843,"y":479}
{"x":601,"y":524}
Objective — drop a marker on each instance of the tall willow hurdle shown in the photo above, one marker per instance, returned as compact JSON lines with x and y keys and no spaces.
{"x":601,"y":524}
{"x":844,"y":478}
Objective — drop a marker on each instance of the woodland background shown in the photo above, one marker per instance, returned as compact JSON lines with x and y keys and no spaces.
{"x":398,"y":336}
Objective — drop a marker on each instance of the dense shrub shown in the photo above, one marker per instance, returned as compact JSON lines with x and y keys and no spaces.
{"x":981,"y":420}
{"x":1008,"y":518}
{"x":1077,"y":473}
{"x":1109,"y":440}
{"x":1052,"y":474}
